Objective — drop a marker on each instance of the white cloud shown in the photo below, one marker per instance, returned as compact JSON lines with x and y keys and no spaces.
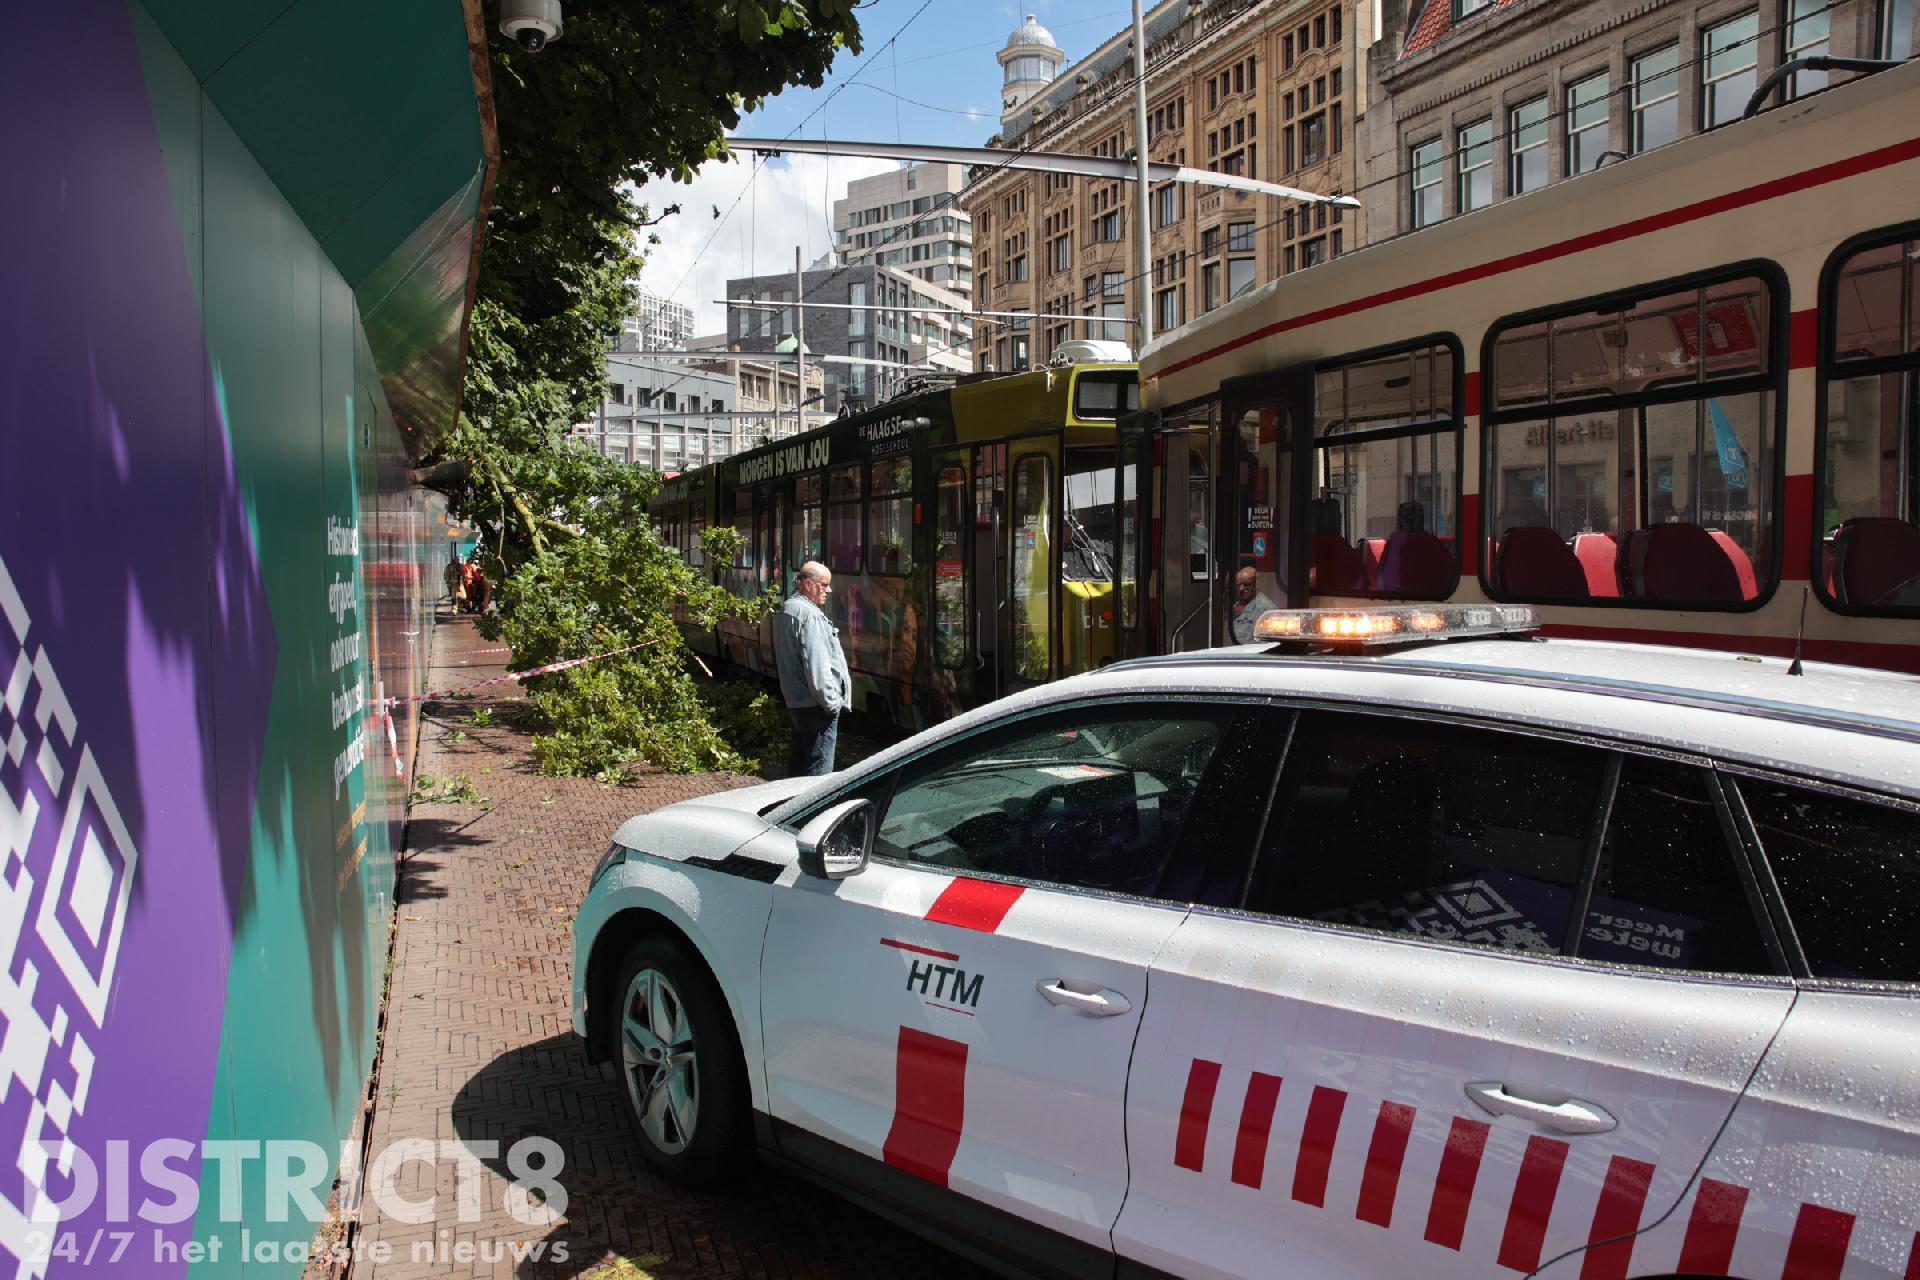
{"x":791,"y":202}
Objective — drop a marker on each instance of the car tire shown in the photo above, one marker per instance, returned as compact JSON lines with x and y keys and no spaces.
{"x":677,"y":1057}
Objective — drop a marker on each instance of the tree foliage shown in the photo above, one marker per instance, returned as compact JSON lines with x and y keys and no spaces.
{"x":634,"y":90}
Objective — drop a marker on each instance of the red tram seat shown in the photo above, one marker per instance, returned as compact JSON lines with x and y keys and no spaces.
{"x":1873,"y":557}
{"x":1742,"y":563}
{"x":1599,"y":556}
{"x":1678,"y":562}
{"x":1372,"y":551}
{"x":1532,"y":563}
{"x":1418,"y":563}
{"x":1337,"y":566}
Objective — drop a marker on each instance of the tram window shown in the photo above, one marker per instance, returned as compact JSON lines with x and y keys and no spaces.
{"x":950,"y":567}
{"x":809,"y":526}
{"x":890,"y":516}
{"x":1386,"y":476}
{"x":697,"y":525}
{"x":1032,"y":566}
{"x":743,"y":522}
{"x":1630,"y":451}
{"x":1086,"y":554}
{"x":1104,"y":399}
{"x":772,"y":523}
{"x":843,"y":519}
{"x":1869,"y":446}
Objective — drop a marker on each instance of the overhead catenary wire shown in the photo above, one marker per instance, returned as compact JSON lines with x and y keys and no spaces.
{"x":760,"y":161}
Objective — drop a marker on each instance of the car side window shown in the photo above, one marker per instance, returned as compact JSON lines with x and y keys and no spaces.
{"x":1093,"y":798}
{"x":1440,"y":831}
{"x":1849,"y":871}
{"x":1666,"y":891}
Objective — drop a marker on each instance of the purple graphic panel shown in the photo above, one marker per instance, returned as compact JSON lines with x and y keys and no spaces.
{"x":131,"y":607}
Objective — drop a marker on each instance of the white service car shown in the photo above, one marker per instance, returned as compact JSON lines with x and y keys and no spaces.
{"x":1497,"y":956}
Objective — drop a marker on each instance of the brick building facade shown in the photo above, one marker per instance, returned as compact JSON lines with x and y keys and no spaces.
{"x":1475,"y":101}
{"x":1265,"y":88}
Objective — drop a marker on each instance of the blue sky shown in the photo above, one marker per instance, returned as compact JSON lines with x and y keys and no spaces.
{"x":919,"y":88}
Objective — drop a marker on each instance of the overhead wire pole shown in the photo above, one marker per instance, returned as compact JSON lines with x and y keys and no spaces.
{"x":1144,"y":258}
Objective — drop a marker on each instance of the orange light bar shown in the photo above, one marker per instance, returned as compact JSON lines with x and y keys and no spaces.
{"x":1348,"y":627}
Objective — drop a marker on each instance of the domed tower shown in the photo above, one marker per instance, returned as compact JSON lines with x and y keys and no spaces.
{"x":1030,"y":59}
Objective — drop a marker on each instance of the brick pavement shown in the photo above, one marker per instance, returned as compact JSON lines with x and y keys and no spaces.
{"x":479,"y":1045}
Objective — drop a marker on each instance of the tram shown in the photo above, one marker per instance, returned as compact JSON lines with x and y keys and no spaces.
{"x":1673,"y":399}
{"x":970,"y":529}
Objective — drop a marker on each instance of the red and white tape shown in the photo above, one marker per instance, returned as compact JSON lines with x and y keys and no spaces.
{"x":515,"y":676}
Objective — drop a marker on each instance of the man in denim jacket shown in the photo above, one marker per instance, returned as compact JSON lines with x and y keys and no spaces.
{"x":814,"y":681}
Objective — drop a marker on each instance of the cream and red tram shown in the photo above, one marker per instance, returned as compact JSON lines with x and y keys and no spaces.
{"x":1672,"y":399}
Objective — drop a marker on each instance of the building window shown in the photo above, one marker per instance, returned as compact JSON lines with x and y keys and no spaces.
{"x":1333,"y":20}
{"x":1286,"y":51}
{"x":1209,"y":286}
{"x":1427,"y":173}
{"x":1462,"y":8}
{"x":1240,"y":237}
{"x":1313,"y":138}
{"x":1586,"y":123}
{"x":1166,"y":311}
{"x":1473,"y":154}
{"x":1730,"y":54}
{"x":1896,"y":28}
{"x":1241,"y":276}
{"x":1656,"y":97}
{"x":1527,"y":146}
{"x":1312,"y":252}
{"x":1807,"y":29}
{"x":1210,"y":242}
{"x":1166,"y":206}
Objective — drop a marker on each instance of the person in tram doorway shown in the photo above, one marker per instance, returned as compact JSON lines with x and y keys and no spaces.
{"x":814,"y":681}
{"x":1249,"y":602}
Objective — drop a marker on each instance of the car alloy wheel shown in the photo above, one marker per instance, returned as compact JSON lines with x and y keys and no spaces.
{"x":657,"y":1050}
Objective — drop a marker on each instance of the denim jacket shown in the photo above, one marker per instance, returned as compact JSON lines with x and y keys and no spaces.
{"x":806,"y":649}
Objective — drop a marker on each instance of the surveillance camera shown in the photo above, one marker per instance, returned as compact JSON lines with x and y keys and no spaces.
{"x":531,"y":22}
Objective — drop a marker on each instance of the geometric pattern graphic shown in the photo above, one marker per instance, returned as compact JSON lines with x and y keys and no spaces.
{"x":1464,"y":911}
{"x":65,"y":883}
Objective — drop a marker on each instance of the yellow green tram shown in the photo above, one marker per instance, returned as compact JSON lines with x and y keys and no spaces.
{"x":971,"y":531}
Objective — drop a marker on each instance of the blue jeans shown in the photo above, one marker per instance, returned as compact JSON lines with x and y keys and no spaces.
{"x":815,"y":733}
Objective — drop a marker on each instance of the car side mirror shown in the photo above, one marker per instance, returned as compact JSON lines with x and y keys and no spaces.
{"x":838,"y":842}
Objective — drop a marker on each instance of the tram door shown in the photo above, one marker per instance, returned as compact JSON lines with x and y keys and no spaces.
{"x":989,"y":569}
{"x":1262,"y":563}
{"x":949,"y":660}
{"x":1185,"y":514}
{"x":1030,"y":605}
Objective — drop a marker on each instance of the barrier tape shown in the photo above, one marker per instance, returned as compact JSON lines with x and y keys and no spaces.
{"x":514,"y":676}
{"x":469,"y":653}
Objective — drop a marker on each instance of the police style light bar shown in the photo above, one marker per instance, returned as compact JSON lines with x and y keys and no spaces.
{"x":1342,"y":628}
{"x":1046,"y":161}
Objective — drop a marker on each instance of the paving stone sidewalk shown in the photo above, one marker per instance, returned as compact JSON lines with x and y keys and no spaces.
{"x":479,"y":1045}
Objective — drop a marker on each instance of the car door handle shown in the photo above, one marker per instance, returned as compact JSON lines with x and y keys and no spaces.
{"x":1100,"y":1004}
{"x":1571,"y":1116}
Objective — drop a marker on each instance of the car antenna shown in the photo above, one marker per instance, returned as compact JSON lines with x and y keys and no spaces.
{"x":1800,"y":635}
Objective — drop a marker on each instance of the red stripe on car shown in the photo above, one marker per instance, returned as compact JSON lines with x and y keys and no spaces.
{"x":974,"y":904}
{"x":929,"y":1105}
{"x":1256,"y":1122}
{"x":1453,"y":1185}
{"x":1385,"y":1153}
{"x":1818,"y":1248}
{"x":1196,"y":1109}
{"x":1533,"y":1194}
{"x":1316,"y":1145}
{"x":1712,"y":1228}
{"x":1615,"y":1219}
